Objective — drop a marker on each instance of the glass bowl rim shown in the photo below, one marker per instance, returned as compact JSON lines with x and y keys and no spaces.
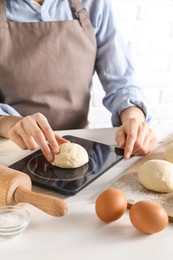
{"x":16,"y":209}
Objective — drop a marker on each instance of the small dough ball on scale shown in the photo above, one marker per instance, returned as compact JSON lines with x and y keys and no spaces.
{"x":156,"y":175}
{"x":71,"y":155}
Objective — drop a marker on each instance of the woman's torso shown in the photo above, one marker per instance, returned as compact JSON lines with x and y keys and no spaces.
{"x":47,"y":67}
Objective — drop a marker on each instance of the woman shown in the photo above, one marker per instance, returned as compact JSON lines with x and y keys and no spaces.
{"x":49,"y":52}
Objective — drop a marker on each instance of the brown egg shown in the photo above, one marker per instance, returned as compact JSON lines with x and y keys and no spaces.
{"x":148,"y":217}
{"x":110,"y":205}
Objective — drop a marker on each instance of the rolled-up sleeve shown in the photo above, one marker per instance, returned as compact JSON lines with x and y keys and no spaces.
{"x":6,"y":110}
{"x":115,"y":69}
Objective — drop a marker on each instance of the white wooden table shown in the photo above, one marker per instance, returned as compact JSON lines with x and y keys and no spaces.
{"x":80,"y":234}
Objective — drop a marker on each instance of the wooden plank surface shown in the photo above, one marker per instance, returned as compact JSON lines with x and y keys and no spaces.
{"x":134,"y":191}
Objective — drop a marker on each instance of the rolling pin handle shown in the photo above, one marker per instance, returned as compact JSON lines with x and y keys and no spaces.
{"x":49,"y":204}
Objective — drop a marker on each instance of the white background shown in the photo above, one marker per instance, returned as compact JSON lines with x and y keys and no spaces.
{"x":147,"y":29}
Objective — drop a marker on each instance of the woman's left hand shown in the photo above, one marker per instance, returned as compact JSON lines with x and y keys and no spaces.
{"x":136,"y":137}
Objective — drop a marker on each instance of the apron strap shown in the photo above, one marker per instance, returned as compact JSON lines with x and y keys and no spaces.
{"x":79,"y":12}
{"x":3,"y":17}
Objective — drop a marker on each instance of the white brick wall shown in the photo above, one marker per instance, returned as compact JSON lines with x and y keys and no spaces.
{"x":147,"y":29}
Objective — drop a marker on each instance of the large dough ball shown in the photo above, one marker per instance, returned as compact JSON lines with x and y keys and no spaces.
{"x":156,"y":175}
{"x":168,"y":154}
{"x":71,"y":155}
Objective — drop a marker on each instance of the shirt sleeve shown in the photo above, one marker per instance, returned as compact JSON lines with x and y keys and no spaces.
{"x":6,"y":110}
{"x":114,"y":67}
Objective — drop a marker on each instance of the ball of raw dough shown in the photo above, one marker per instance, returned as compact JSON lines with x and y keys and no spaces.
{"x":71,"y":155}
{"x":156,"y":175}
{"x":168,"y":154}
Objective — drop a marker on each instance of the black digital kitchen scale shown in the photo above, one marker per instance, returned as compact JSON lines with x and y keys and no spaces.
{"x":70,"y":181}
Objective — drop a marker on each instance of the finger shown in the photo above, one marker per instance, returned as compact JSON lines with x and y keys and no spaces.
{"x":21,"y":138}
{"x":53,"y":139}
{"x":18,"y":140}
{"x":29,"y":142}
{"x":120,"y":137}
{"x":44,"y":146}
{"x":143,"y":138}
{"x":144,"y":149}
{"x":48,"y":133}
{"x":60,"y":139}
{"x":149,"y":142}
{"x":32,"y":134}
{"x":130,"y":141}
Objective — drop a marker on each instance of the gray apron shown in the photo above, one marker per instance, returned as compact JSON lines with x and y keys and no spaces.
{"x":47,"y":67}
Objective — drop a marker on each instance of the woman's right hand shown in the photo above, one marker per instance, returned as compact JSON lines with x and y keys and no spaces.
{"x":32,"y":131}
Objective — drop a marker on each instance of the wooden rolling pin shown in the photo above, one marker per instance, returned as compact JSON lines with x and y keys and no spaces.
{"x":15,"y":187}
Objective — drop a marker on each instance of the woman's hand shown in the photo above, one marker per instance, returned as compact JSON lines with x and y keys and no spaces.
{"x":135,"y":135}
{"x":32,"y":131}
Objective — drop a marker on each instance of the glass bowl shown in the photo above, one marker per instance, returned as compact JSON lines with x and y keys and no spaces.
{"x":13,"y":221}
